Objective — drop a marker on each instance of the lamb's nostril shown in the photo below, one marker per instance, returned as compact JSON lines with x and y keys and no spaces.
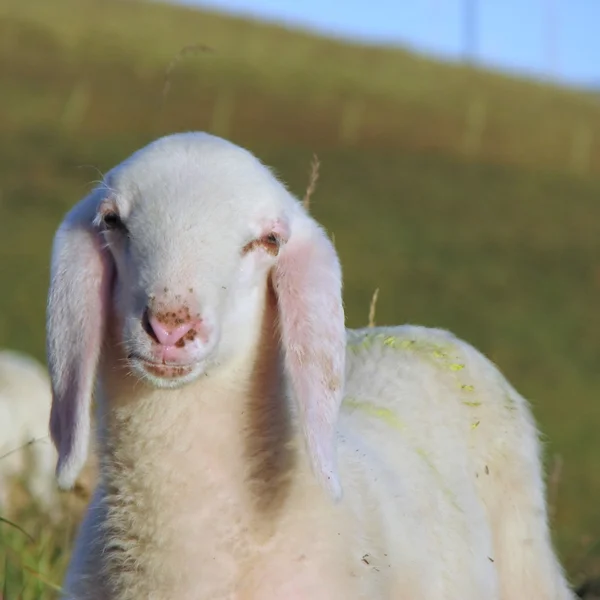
{"x":169,"y":329}
{"x":146,"y":325}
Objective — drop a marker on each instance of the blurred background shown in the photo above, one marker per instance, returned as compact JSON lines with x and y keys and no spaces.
{"x":459,"y":149}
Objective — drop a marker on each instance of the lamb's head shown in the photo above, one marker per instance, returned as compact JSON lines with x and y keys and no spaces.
{"x":192,"y":225}
{"x":169,"y":259}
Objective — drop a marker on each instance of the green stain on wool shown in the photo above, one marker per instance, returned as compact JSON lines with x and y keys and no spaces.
{"x":366,"y":343}
{"x":390,"y":341}
{"x":365,"y":340}
{"x":442,"y":355}
{"x":390,"y":418}
{"x":379,"y":412}
{"x":447,"y":491}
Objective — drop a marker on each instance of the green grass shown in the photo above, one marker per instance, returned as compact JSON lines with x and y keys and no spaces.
{"x":32,"y":558}
{"x":499,"y":245}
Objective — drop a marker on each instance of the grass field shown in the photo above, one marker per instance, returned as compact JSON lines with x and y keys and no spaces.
{"x":472,"y":200}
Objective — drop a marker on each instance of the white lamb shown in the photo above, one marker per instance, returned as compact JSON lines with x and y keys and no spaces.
{"x":251,"y":447}
{"x":25,"y":399}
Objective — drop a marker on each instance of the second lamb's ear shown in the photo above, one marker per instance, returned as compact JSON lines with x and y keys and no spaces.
{"x":81,"y":273}
{"x":308,"y":284}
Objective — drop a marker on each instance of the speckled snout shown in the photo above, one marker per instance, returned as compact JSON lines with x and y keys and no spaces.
{"x":175,"y":330}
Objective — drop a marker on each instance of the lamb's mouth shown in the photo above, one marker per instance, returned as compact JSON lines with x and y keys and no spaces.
{"x":161,"y":370}
{"x":167,"y":371}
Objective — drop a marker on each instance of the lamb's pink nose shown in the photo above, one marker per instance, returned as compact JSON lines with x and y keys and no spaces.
{"x":169,"y":334}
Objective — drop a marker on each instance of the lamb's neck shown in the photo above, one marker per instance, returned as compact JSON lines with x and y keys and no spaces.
{"x":220,"y":437}
{"x":203,"y":473}
{"x":176,"y":432}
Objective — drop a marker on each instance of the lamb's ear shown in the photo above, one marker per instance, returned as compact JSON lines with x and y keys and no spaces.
{"x":80,"y":280}
{"x":308,"y":283}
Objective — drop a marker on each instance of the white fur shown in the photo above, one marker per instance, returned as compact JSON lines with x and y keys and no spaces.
{"x":242,"y":477}
{"x":25,"y":400}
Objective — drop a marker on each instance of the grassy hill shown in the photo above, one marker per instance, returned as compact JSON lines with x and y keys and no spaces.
{"x":470,"y":198}
{"x":375,"y":96}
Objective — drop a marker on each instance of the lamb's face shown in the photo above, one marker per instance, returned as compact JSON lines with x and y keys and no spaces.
{"x":192,"y":248}
{"x":193,"y":226}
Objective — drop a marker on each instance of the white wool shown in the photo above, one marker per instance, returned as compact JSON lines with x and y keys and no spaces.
{"x":25,"y":400}
{"x":270,"y":454}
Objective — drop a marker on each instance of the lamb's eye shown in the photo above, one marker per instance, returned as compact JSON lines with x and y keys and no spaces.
{"x":112,"y":221}
{"x":271,"y":243}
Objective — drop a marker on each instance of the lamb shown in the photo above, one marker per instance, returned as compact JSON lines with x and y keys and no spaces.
{"x":251,"y":447}
{"x":25,"y":400}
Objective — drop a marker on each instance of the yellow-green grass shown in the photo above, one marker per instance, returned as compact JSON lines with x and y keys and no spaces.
{"x":389,"y":96}
{"x":496,"y":246}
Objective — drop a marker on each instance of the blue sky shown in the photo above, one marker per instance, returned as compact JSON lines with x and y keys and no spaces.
{"x":558,"y":39}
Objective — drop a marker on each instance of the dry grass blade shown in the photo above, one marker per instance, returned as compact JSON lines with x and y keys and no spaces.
{"x":373,"y":307}
{"x":23,"y":446}
{"x":43,"y":579}
{"x":183,"y":53}
{"x":17,"y":527}
{"x":312,"y":182}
